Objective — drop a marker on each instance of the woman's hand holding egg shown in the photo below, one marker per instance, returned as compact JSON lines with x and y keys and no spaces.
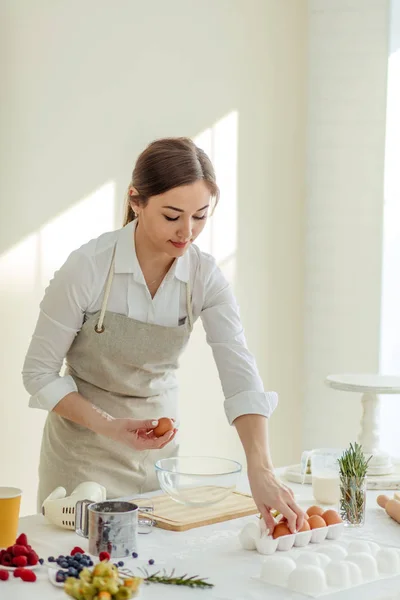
{"x":269,"y":494}
{"x":149,"y":434}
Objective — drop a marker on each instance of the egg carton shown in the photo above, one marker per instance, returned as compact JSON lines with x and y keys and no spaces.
{"x":332,"y":567}
{"x":254,"y":536}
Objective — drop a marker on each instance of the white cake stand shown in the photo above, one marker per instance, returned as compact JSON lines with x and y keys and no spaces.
{"x":371,"y":386}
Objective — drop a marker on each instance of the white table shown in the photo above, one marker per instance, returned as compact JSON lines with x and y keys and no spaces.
{"x":370,"y":387}
{"x":211,"y":551}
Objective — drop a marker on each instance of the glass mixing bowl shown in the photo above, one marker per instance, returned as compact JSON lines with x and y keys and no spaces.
{"x":197,"y":480}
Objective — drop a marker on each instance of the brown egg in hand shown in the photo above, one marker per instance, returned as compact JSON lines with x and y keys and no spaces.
{"x":306,"y":526}
{"x":164,"y":425}
{"x":280,"y":530}
{"x":331,"y":517}
{"x":315,"y":510}
{"x":315,"y":522}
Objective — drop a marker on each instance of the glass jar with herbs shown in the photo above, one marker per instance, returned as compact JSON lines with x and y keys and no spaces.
{"x":353,"y":466}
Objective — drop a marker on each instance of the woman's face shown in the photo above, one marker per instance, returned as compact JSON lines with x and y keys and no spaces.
{"x":170,"y":222}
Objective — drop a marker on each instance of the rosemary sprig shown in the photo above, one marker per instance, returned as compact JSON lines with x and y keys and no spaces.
{"x":162,"y":577}
{"x":353,"y":468}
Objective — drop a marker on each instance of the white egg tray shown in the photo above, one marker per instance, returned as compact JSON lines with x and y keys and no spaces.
{"x":255,"y":537}
{"x":331,"y":567}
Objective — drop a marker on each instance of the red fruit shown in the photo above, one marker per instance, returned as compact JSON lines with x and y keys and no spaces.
{"x":19,"y":561}
{"x":33,"y":558}
{"x":104,"y":556}
{"x":19,"y":550}
{"x":6,"y":560}
{"x":4,"y":575}
{"x":17,"y":572}
{"x":76,"y":550}
{"x":22,"y":540}
{"x":28,"y":575}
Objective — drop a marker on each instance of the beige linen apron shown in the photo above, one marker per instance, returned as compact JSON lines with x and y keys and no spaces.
{"x":126,"y":368}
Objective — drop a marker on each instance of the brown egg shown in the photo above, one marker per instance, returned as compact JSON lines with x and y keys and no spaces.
{"x":306,"y":526}
{"x":315,"y":510}
{"x":315,"y":522}
{"x":164,"y":425}
{"x":280,"y":530}
{"x":331,"y":517}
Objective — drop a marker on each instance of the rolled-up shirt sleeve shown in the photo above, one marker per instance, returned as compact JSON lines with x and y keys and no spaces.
{"x":61,"y":316}
{"x":241,"y":383}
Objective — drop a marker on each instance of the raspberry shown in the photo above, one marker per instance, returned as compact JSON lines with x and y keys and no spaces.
{"x":22,"y":540}
{"x":19,"y":561}
{"x":19,"y":550}
{"x":76,"y":550}
{"x":17,"y":572}
{"x":104,"y":556}
{"x":28,"y":575}
{"x":6,"y":560}
{"x":4,"y":575}
{"x":33,"y":558}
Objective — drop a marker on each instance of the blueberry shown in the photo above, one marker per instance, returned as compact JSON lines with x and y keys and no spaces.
{"x":121,"y":563}
{"x":64,"y":564}
{"x":151,"y":561}
{"x":135,"y":554}
{"x":72,"y":572}
{"x":90,"y":563}
{"x":60,"y":577}
{"x":61,"y":557}
{"x":51,"y":559}
{"x":41,"y":560}
{"x":78,"y":556}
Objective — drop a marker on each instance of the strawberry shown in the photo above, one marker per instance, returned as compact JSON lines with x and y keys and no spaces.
{"x":18,"y":571}
{"x":22,"y":540}
{"x":104,"y":556}
{"x":19,"y":550}
{"x":28,"y":575}
{"x":19,"y":561}
{"x":33,"y":558}
{"x":76,"y":550}
{"x":4,"y":575}
{"x":6,"y":560}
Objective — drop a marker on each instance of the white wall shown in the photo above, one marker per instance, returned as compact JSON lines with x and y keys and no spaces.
{"x":347,"y":60}
{"x":85,"y":85}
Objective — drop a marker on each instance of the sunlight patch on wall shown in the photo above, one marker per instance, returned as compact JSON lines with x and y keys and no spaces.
{"x":219,"y":237}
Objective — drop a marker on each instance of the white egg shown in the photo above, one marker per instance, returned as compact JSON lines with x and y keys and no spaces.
{"x":266,"y":544}
{"x":248,"y":536}
{"x":334,"y":551}
{"x":307,"y":579}
{"x":276,"y":569}
{"x":367,"y":564}
{"x":388,"y":561}
{"x":359,"y":546}
{"x":338,"y":573}
{"x":356,"y":576}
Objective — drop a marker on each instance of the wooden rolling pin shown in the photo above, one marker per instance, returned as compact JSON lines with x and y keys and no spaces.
{"x":391,"y":506}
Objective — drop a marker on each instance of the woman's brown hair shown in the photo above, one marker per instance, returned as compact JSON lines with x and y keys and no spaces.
{"x":166,"y":164}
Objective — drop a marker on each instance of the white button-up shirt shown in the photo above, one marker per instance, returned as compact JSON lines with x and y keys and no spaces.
{"x":77,"y":288}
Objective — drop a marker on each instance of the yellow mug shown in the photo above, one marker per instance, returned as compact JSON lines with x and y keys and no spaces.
{"x":10,"y":502}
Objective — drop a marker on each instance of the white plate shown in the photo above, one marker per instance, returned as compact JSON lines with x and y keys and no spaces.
{"x":31,"y":567}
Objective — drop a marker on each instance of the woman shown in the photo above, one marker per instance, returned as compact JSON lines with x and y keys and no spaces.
{"x":120,"y":311}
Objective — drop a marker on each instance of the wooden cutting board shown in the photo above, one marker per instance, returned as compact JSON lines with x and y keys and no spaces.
{"x":170,"y":515}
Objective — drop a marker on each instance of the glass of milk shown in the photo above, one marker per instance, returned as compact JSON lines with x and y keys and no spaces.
{"x":324,"y":473}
